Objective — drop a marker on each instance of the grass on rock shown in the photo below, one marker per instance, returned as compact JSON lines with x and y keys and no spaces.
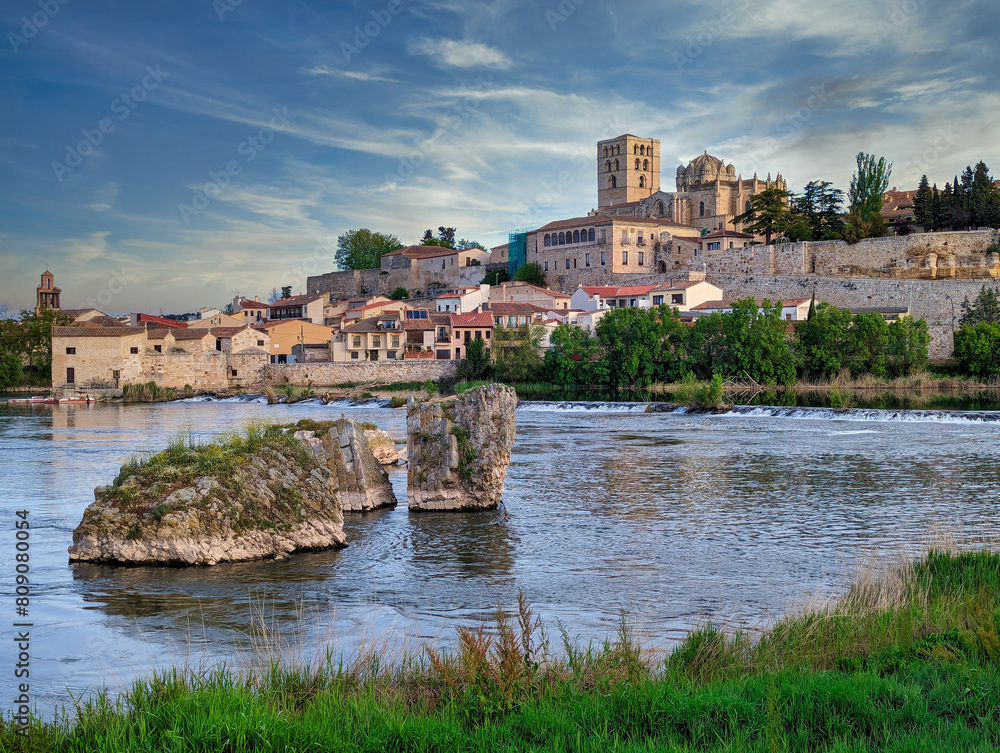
{"x":909,"y":660}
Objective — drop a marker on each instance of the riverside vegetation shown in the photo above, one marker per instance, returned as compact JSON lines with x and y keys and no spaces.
{"x":909,"y":659}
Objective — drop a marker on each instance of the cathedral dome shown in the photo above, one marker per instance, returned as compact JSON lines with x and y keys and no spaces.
{"x":705,"y":168}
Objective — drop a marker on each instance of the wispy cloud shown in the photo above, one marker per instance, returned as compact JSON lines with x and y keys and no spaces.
{"x":460,"y":54}
{"x":325,"y":70}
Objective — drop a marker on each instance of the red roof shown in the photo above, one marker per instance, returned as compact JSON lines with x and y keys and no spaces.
{"x":296,"y":300}
{"x":478,"y":319}
{"x":507,"y":309}
{"x":245,"y":304}
{"x":610,"y":292}
{"x":726,"y":234}
{"x":160,"y":320}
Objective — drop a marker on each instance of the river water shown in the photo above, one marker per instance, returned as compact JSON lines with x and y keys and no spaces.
{"x":677,"y":519}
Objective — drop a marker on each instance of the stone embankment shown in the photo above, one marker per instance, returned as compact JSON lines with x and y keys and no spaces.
{"x":459,"y":450}
{"x":267,"y":494}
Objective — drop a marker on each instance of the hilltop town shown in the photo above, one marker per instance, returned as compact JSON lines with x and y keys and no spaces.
{"x":412,"y":317}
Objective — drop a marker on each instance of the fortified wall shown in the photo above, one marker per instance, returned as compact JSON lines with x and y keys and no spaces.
{"x":326,"y":373}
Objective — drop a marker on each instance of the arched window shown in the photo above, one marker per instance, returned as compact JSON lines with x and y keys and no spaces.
{"x":576,"y":236}
{"x":614,"y":183}
{"x":616,"y":166}
{"x":605,"y":151}
{"x":637,"y":164}
{"x":635,"y":148}
{"x":747,"y":207}
{"x":642,"y":149}
{"x":590,"y":235}
{"x":659,"y":209}
{"x":562,"y":239}
{"x":548,"y":240}
{"x":642,"y":181}
{"x":608,"y":165}
{"x":702,"y":209}
{"x":645,"y":164}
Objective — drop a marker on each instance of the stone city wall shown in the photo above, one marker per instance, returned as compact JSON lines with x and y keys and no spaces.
{"x":380,"y":372}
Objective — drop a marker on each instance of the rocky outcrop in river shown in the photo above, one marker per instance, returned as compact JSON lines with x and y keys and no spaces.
{"x":459,"y":450}
{"x":266,"y":493}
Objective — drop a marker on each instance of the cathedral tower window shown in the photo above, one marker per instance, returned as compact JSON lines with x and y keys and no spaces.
{"x":608,"y":166}
{"x":642,"y":181}
{"x":645,"y":164}
{"x":635,"y":148}
{"x":614,"y":183}
{"x":616,"y":166}
{"x":637,"y":164}
{"x":642,"y":149}
{"x":701,"y":209}
{"x":747,"y":206}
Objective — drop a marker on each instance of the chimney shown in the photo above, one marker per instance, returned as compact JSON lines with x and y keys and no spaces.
{"x":256,"y":298}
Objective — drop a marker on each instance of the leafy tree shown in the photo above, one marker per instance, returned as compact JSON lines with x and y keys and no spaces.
{"x":445,"y":237}
{"x":575,"y":358}
{"x":867,"y":345}
{"x":821,"y":344}
{"x":28,"y":339}
{"x":768,"y":214}
{"x":463,"y":245}
{"x":286,"y":292}
{"x":428,"y":238}
{"x":517,"y":352}
{"x":274,"y":296}
{"x":398,"y":294}
{"x":868,"y":185}
{"x":799,"y":230}
{"x":923,"y":205}
{"x":985,"y":308}
{"x":631,"y":341}
{"x":977,"y":349}
{"x":756,"y":344}
{"x":477,"y":363}
{"x":907,"y":346}
{"x":531,"y":273}
{"x":495,"y":277}
{"x":363,"y":248}
{"x":11,"y":371}
{"x":984,"y":199}
{"x":228,"y":309}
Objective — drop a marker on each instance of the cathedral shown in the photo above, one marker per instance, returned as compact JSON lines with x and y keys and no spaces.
{"x":709,"y":193}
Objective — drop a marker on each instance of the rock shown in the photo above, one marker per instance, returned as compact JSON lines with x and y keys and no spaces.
{"x":459,"y":450}
{"x":384,"y":447}
{"x":244,"y":500}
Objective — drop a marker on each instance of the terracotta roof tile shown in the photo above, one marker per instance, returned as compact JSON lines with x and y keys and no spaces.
{"x":97,"y":331}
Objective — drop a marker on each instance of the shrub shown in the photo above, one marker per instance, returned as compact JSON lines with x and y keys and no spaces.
{"x":977,"y":349}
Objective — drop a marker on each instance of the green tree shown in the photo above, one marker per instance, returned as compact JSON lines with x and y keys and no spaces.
{"x":464,"y":245}
{"x":11,"y":371}
{"x":821,"y":341}
{"x":907,"y":347}
{"x":985,"y":308}
{"x":821,"y":205}
{"x":517,"y":353}
{"x":445,"y":237}
{"x":984,"y":199}
{"x":977,"y":349}
{"x":631,"y":340}
{"x":768,"y":214}
{"x":286,"y":292}
{"x":477,"y":363}
{"x":868,"y":185}
{"x":799,"y":230}
{"x":575,"y":358}
{"x":398,"y":294}
{"x":867,"y":345}
{"x":363,"y":248}
{"x":495,"y":277}
{"x":923,"y":205}
{"x":531,"y":273}
{"x":29,"y":339}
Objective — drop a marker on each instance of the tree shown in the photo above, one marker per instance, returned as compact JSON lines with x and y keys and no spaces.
{"x":984,"y":199}
{"x":11,"y":371}
{"x":821,"y":205}
{"x":476,"y":364}
{"x":464,"y":245}
{"x":631,"y":342}
{"x":363,"y":248}
{"x":867,"y":344}
{"x":274,"y":296}
{"x":495,"y":277}
{"x":516,"y":352}
{"x":445,"y":237}
{"x":28,"y":339}
{"x":286,"y":292}
{"x":907,"y":346}
{"x":821,"y":344}
{"x":531,"y":273}
{"x":228,"y":309}
{"x":574,"y":358}
{"x":985,"y":308}
{"x":977,"y":349}
{"x":923,"y":205}
{"x":768,"y":213}
{"x":868,"y":185}
{"x":398,"y":294}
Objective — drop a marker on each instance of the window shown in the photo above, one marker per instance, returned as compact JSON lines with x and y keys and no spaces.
{"x":747,"y":207}
{"x":616,"y":166}
{"x":548,"y":240}
{"x":546,"y":266}
{"x":574,"y":263}
{"x":71,"y":351}
{"x":624,"y":236}
{"x":645,"y":164}
{"x":657,"y":300}
{"x":356,"y":341}
{"x":395,"y":341}
{"x":603,"y":258}
{"x":587,"y":261}
{"x":640,"y":258}
{"x":562,"y":239}
{"x":260,"y":343}
{"x":479,"y":335}
{"x":642,"y":181}
{"x":641,"y":240}
{"x":218,"y":344}
{"x":637,"y":164}
{"x":116,"y":374}
{"x":354,"y":355}
{"x":590,"y":235}
{"x":234,"y":372}
{"x":576,"y":236}
{"x":158,"y":348}
{"x":624,"y":257}
{"x":635,"y":148}
{"x":605,"y":151}
{"x":133,"y":351}
{"x":391,"y":355}
{"x":614,"y":183}
{"x":642,"y":149}
{"x":608,"y":164}
{"x":604,"y":235}
{"x":677,"y":298}
{"x":701,"y":209}
{"x":714,"y":246}
{"x":70,"y":376}
{"x":487,"y":334}
{"x":632,"y":303}
{"x":567,"y":264}
{"x":376,"y":341}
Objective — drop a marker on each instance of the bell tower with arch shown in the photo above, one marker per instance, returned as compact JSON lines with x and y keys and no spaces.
{"x":628,"y":169}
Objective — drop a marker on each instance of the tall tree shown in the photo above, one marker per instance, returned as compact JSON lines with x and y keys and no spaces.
{"x":923,"y":205}
{"x":768,"y":214}
{"x":363,"y":248}
{"x":274,"y":296}
{"x":464,"y":245}
{"x":984,"y":199}
{"x":984,"y":308}
{"x":941,"y":205}
{"x":531,"y":273}
{"x":868,"y":185}
{"x":821,"y":204}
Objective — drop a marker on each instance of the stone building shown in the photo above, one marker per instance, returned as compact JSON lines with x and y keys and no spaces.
{"x":47,"y":294}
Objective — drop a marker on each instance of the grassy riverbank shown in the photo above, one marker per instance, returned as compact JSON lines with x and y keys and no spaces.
{"x":908,"y":660}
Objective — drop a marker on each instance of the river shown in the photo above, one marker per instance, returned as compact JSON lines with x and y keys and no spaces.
{"x":677,"y":519}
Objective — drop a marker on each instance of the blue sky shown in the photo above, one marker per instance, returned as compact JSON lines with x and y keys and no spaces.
{"x":168,"y":154}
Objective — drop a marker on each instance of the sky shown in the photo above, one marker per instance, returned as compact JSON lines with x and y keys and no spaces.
{"x":165,"y":155}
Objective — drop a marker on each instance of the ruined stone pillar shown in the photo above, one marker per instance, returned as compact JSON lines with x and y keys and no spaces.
{"x":459,"y":450}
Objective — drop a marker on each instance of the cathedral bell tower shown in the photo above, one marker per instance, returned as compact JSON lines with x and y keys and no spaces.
{"x":628,"y":169}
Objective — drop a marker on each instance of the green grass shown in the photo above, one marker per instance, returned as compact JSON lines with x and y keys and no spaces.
{"x":149,"y":392}
{"x":907,"y":661}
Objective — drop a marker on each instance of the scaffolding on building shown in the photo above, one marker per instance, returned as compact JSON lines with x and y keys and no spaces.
{"x":517,"y":251}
